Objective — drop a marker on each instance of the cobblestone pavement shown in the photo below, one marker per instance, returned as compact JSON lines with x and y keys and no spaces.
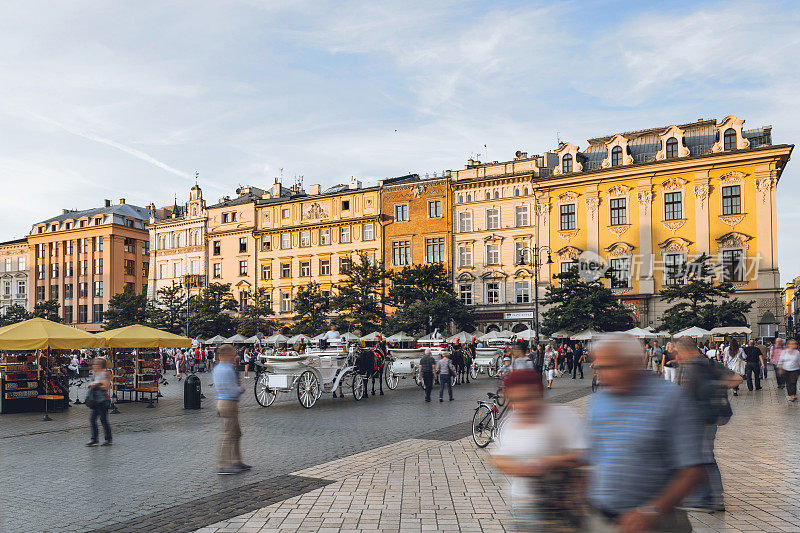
{"x":163,"y":458}
{"x":448,"y":485}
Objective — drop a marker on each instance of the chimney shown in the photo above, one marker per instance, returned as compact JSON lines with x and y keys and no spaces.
{"x":354,"y":184}
{"x":107,"y":203}
{"x":64,"y":211}
{"x":314,"y":189}
{"x":122,"y":201}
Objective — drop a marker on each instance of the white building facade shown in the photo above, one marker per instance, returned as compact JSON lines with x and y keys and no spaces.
{"x":14,"y":268}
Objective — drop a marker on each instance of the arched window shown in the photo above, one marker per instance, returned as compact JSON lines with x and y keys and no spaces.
{"x":469,"y":198}
{"x":496,"y":194}
{"x":526,"y":191}
{"x":729,"y":139}
{"x":672,"y":147}
{"x":566,"y":164}
{"x":516,"y":192}
{"x":616,"y":156}
{"x":488,"y":196}
{"x":460,"y":199}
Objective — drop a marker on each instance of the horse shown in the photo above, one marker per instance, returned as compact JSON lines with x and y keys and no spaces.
{"x":457,"y":358}
{"x":369,"y":364}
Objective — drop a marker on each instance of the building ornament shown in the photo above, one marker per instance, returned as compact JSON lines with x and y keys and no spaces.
{"x":315,"y":212}
{"x":523,"y":273}
{"x":731,"y":178}
{"x":701,"y":192}
{"x":621,"y":141}
{"x":493,"y":237}
{"x":619,"y":249}
{"x":672,"y":131}
{"x":592,"y":203}
{"x":675,"y":245}
{"x":645,"y":198}
{"x":673,"y":184}
{"x":765,"y":186}
{"x":418,"y":190}
{"x":494,"y":274}
{"x":619,"y":229}
{"x":567,"y":235}
{"x":732,"y":220}
{"x":621,"y":290}
{"x":736,"y":124}
{"x":618,"y":191}
{"x":673,"y":225}
{"x":568,"y":253}
{"x":734,"y":239}
{"x":465,"y":277}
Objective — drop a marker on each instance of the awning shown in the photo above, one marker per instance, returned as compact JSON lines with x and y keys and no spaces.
{"x":138,"y":336}
{"x":38,"y":333}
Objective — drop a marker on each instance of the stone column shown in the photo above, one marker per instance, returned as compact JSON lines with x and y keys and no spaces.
{"x":702,"y":223}
{"x":644,"y":195}
{"x":542,"y":210}
{"x":592,"y":219}
{"x":766,"y":234}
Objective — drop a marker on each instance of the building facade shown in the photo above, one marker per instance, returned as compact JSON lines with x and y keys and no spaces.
{"x":81,"y":259}
{"x":14,"y":274}
{"x":314,"y":236}
{"x":178,"y":245}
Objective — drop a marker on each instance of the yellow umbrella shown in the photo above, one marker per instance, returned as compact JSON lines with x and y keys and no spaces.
{"x":38,"y":333}
{"x":138,"y":336}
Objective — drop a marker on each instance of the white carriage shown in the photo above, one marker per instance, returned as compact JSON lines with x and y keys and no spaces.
{"x":402,"y":363}
{"x":488,"y":359}
{"x":310,"y":374}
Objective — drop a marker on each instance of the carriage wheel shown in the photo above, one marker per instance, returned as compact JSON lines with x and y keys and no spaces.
{"x":493,"y":368}
{"x":308,"y":390}
{"x":473,"y":371}
{"x":359,"y":385}
{"x":392,"y":379}
{"x":264,"y":395}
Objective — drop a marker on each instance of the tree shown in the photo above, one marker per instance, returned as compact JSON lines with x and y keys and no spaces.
{"x":311,"y":309}
{"x":126,"y":308}
{"x":47,"y":309}
{"x":169,"y":312}
{"x":424,"y":298}
{"x":252,"y":317}
{"x":699,"y":302}
{"x":211,"y":312}
{"x":359,"y":301}
{"x":575,"y":305}
{"x":14,"y":313}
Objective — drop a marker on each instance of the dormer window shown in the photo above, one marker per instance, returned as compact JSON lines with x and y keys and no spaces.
{"x":566,"y":164}
{"x":672,"y":147}
{"x":616,"y":156}
{"x":729,"y":139}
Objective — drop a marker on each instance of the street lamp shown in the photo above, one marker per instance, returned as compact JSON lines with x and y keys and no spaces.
{"x":535,"y":260}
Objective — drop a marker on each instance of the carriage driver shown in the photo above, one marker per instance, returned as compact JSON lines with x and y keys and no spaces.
{"x":332,"y":337}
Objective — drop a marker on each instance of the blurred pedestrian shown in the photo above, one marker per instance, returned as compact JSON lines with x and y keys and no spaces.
{"x":425,"y":375}
{"x":549,"y":364}
{"x":754,"y":365}
{"x":789,"y":367}
{"x":519,"y":360}
{"x":668,"y":363}
{"x":539,"y":448}
{"x":580,"y":358}
{"x":246,"y":358}
{"x":734,"y":361}
{"x":775,"y":352}
{"x":645,"y":445}
{"x":99,"y":401}
{"x":229,"y":389}
{"x":445,"y":371}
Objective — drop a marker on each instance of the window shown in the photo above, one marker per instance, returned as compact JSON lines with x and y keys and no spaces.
{"x":266,"y":271}
{"x":465,"y":294}
{"x":401,"y":213}
{"x":367,"y":232}
{"x":673,"y":269}
{"x":469,"y":198}
{"x":492,"y":254}
{"x":493,"y":218}
{"x":217,"y":247}
{"x":286,"y":241}
{"x":401,"y":253}
{"x":324,"y":267}
{"x":54,"y":271}
{"x":54,"y":249}
{"x":286,"y":270}
{"x":344,"y":265}
{"x":8,"y":265}
{"x":67,"y":248}
{"x":345,"y":205}
{"x":286,"y":302}
{"x":566,"y":164}
{"x":284,"y":213}
{"x":98,"y":267}
{"x":83,"y":311}
{"x":305,"y":239}
{"x":84,"y":244}
{"x":731,"y":200}
{"x":128,"y":222}
{"x":40,"y":273}
{"x":435,"y":209}
{"x":242,"y":268}
{"x":324,"y":236}
{"x":465,"y":255}
{"x":732,"y":265}
{"x":217,"y":270}
{"x":434,"y":250}
{"x":521,"y":216}
{"x":672,"y":206}
{"x":225,"y":218}
{"x":465,"y":221}
{"x":565,"y":267}
{"x":266,"y":243}
{"x":488,"y":195}
{"x":98,"y":312}
{"x":619,"y":273}
{"x":129,"y":245}
{"x":130,"y":267}
{"x":99,"y":244}
{"x":40,"y":250}
{"x":129,"y":286}
{"x":305,"y":268}
{"x":729,"y":139}
{"x":84,"y":268}
{"x":522,"y":291}
{"x":6,"y":288}
{"x":522,"y":253}
{"x":242,"y":245}
{"x":618,"y":214}
{"x":98,"y":289}
{"x":492,"y":293}
{"x":22,"y":263}
{"x":146,"y":269}
{"x":672,"y":147}
{"x":616,"y":156}
{"x":68,"y":314}
{"x":40,"y":293}
{"x":344,"y":234}
{"x":567,"y":217}
{"x":176,"y":270}
{"x":497,"y":194}
{"x":83,"y":290}
{"x":22,"y":287}
{"x":68,"y":291}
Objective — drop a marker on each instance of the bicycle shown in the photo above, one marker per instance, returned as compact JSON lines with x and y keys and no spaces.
{"x":486,"y":420}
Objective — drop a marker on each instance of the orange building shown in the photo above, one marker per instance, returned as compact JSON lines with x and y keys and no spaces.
{"x":81,"y":259}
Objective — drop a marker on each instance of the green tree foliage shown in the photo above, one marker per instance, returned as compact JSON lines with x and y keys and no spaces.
{"x":169,"y":312}
{"x":699,"y":302}
{"x":359,"y":301}
{"x":211,"y":312}
{"x":47,"y":309}
{"x":311,"y":309}
{"x":14,"y":313}
{"x":575,"y":305}
{"x":423,"y":296}
{"x":126,"y":308}
{"x":252,"y":317}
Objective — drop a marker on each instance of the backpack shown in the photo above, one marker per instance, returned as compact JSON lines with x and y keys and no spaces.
{"x":711,"y":397}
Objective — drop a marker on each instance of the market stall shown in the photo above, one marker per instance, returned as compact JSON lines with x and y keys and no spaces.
{"x":135,"y":360}
{"x":33,"y":368}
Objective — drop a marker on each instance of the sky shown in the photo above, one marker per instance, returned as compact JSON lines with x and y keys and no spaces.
{"x":129,"y":99}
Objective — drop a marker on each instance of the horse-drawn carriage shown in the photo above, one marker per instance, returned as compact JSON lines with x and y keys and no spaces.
{"x":488,"y":359}
{"x":402,"y":363}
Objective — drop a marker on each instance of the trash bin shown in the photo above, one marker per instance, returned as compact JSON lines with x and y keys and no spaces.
{"x":191,"y":393}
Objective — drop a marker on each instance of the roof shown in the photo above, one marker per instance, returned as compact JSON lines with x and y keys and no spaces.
{"x":239,"y":200}
{"x":126,"y":210}
{"x":15,"y":241}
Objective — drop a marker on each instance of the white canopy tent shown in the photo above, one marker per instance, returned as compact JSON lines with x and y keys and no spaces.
{"x":375,"y":336}
{"x":490,"y":335}
{"x":527,"y":335}
{"x":561,"y":334}
{"x":732,"y":330}
{"x":276,"y":339}
{"x":400,"y":336}
{"x":236,"y":339}
{"x":694,"y":332}
{"x":586,"y":335}
{"x":462,"y":336}
{"x":216,"y":339}
{"x":641,"y":333}
{"x":300,"y":337}
{"x":253,"y":340}
{"x":349,"y":336}
{"x":659,"y":334}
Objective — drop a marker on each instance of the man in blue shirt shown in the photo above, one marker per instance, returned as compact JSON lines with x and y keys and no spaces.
{"x":645,"y":445}
{"x":226,"y":383}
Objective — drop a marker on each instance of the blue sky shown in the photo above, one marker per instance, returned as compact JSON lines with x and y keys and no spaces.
{"x":108,"y":100}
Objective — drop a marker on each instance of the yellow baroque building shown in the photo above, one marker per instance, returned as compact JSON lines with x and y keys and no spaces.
{"x":645,"y":202}
{"x":314,"y":236}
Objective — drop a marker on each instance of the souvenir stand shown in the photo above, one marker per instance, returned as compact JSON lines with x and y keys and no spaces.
{"x":33,"y":372}
{"x":134,"y":352}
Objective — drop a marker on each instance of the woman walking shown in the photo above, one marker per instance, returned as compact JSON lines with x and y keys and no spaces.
{"x":99,"y":401}
{"x":734,"y":360}
{"x":789,"y":367}
{"x":549,"y":364}
{"x":669,"y":364}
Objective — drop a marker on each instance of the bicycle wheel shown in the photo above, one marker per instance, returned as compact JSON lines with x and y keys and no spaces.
{"x":595,"y":384}
{"x":501,"y":396}
{"x":483,"y":423}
